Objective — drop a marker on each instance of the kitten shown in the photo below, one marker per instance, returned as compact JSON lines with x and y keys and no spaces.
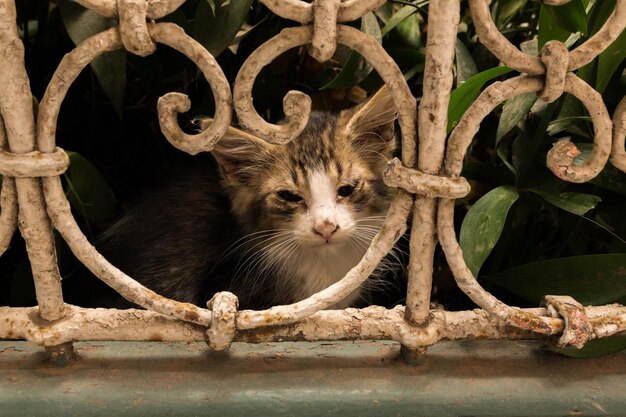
{"x":273,"y":224}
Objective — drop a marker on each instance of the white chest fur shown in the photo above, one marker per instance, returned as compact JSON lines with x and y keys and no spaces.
{"x":317,"y":268}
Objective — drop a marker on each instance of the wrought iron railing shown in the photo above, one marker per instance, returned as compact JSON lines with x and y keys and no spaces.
{"x":428,"y":180}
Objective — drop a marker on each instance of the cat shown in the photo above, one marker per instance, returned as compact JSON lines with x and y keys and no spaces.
{"x":272,"y":223}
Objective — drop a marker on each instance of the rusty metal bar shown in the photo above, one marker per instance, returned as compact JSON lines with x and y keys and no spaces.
{"x":351,"y":324}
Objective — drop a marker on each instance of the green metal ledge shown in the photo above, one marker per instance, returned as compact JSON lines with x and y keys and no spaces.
{"x":487,"y":378}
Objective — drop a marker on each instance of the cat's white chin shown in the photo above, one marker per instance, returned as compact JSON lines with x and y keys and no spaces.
{"x":321,"y":264}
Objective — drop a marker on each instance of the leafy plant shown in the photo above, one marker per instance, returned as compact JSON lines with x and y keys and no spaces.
{"x":558,"y":237}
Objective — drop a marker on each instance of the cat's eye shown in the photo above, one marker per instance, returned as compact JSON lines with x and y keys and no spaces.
{"x":345,"y":190}
{"x":289,"y":196}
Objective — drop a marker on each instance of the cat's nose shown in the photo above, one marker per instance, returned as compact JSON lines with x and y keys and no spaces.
{"x":326,"y":230}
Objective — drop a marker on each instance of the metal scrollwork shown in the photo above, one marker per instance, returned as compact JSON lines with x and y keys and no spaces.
{"x":31,"y":165}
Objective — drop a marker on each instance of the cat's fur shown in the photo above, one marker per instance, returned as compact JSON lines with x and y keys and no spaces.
{"x":274,"y":224}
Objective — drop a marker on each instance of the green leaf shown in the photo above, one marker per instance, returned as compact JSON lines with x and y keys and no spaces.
{"x":611,"y":178}
{"x":211,"y":5}
{"x":590,"y":279}
{"x":527,"y":146}
{"x":465,"y":65}
{"x":466,"y":93}
{"x":570,"y":16}
{"x":409,"y":31}
{"x":216,"y":28}
{"x":487,"y":173}
{"x":507,"y":10}
{"x":600,"y":11}
{"x":565,"y":123}
{"x":403,"y":13}
{"x":575,"y":203}
{"x":384,"y":12}
{"x":483,"y":225}
{"x":410,"y":61}
{"x":110,"y":68}
{"x":609,"y":61}
{"x":594,"y":348}
{"x":513,"y":111}
{"x":87,"y":190}
{"x":549,"y":29}
{"x":82,"y":23}
{"x":356,"y":67}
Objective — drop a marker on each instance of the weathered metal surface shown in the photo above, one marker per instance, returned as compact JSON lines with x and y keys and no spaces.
{"x":432,"y":121}
{"x":577,"y":329}
{"x":133,"y":27}
{"x":555,"y":57}
{"x":16,"y":110}
{"x":560,"y":161}
{"x":34,"y":163}
{"x":324,"y":41}
{"x":58,"y":207}
{"x":223,"y":324}
{"x":286,"y":379}
{"x":375,"y":323}
{"x":416,"y":326}
{"x":417,"y":182}
{"x":560,"y":158}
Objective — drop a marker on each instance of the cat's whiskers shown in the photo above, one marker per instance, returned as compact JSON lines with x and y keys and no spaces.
{"x":244,"y":259}
{"x":355,"y":244}
{"x":244,"y":240}
{"x":390,"y":265}
{"x":284,"y":262}
{"x":274,"y":254}
{"x":269,"y":255}
{"x":281,"y":261}
{"x":365,"y":229}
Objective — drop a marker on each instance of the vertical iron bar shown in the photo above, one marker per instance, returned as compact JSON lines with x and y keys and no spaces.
{"x":16,"y":107}
{"x":443,"y":19}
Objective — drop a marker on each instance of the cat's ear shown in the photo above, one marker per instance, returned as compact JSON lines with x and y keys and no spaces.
{"x":240,"y":155}
{"x":371,"y":126}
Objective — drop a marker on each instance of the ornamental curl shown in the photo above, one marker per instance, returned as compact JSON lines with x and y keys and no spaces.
{"x":58,"y":207}
{"x":395,"y":222}
{"x":561,"y":163}
{"x":493,"y":39}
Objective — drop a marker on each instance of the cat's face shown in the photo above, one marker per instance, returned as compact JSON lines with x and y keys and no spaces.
{"x":321,"y":190}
